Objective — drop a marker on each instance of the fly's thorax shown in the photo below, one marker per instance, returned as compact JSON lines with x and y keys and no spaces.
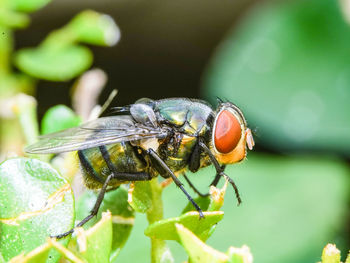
{"x":184,"y":115}
{"x":230,"y":134}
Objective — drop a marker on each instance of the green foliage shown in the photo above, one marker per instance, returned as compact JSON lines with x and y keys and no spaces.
{"x":165,"y":229}
{"x":67,"y":119}
{"x":199,"y":252}
{"x":27,"y":219}
{"x":140,"y":196}
{"x":59,"y":58}
{"x":282,"y":197}
{"x":27,"y":5}
{"x":287,"y":67}
{"x":33,"y":200}
{"x":122,"y":215}
{"x":54,"y":64}
{"x":95,"y":244}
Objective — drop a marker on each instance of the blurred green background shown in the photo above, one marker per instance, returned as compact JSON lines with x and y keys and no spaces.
{"x":286,"y":64}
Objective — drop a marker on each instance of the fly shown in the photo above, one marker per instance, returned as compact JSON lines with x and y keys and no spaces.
{"x":150,"y":138}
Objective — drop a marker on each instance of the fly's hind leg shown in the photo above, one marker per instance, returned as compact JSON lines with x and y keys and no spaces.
{"x":114,"y":175}
{"x":159,"y":160}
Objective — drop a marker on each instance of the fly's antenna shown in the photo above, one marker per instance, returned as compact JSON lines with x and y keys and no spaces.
{"x":219,"y":100}
{"x":255,"y":131}
{"x":227,"y":100}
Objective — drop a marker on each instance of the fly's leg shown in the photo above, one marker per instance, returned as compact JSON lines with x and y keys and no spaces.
{"x":156,"y":157}
{"x":194,"y":165}
{"x":217,"y":177}
{"x":114,"y":175}
{"x":220,"y":171}
{"x":193,"y":187}
{"x":94,"y":210}
{"x":216,"y":180}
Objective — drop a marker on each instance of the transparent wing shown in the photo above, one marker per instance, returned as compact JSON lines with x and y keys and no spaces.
{"x":102,"y":131}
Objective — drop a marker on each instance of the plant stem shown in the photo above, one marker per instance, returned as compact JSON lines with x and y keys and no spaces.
{"x":159,"y":249}
{"x":6,"y":42}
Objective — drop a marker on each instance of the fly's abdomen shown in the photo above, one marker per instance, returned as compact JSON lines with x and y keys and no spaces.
{"x":124,"y":157}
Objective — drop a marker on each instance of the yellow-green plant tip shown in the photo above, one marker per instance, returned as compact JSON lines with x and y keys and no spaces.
{"x":240,"y":255}
{"x":95,"y":28}
{"x":330,"y":254}
{"x":95,"y":244}
{"x":197,"y":250}
{"x":122,"y":217}
{"x":111,"y":32}
{"x":348,"y":258}
{"x":217,"y":197}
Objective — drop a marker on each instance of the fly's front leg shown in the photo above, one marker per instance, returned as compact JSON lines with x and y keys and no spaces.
{"x":220,"y":171}
{"x":159,"y":160}
{"x":217,"y":177}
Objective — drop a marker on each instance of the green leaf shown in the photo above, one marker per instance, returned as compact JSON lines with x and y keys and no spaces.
{"x":140,"y":196}
{"x":95,"y":244}
{"x":55,"y":64}
{"x":165,"y":229}
{"x":197,"y":250}
{"x":122,"y":215}
{"x":94,"y":28}
{"x":38,"y":255}
{"x":12,"y":19}
{"x":35,"y":202}
{"x":28,"y":5}
{"x":287,"y":66}
{"x":58,"y":118}
{"x":203,"y":203}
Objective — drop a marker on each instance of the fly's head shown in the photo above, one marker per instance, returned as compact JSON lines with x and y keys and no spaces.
{"x":230,"y":134}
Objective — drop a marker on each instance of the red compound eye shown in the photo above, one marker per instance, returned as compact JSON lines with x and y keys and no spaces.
{"x":227,"y":132}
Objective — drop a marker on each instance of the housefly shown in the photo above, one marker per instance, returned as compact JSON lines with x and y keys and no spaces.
{"x":150,"y":138}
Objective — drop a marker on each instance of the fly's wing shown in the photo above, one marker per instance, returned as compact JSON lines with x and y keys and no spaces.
{"x":102,"y":131}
